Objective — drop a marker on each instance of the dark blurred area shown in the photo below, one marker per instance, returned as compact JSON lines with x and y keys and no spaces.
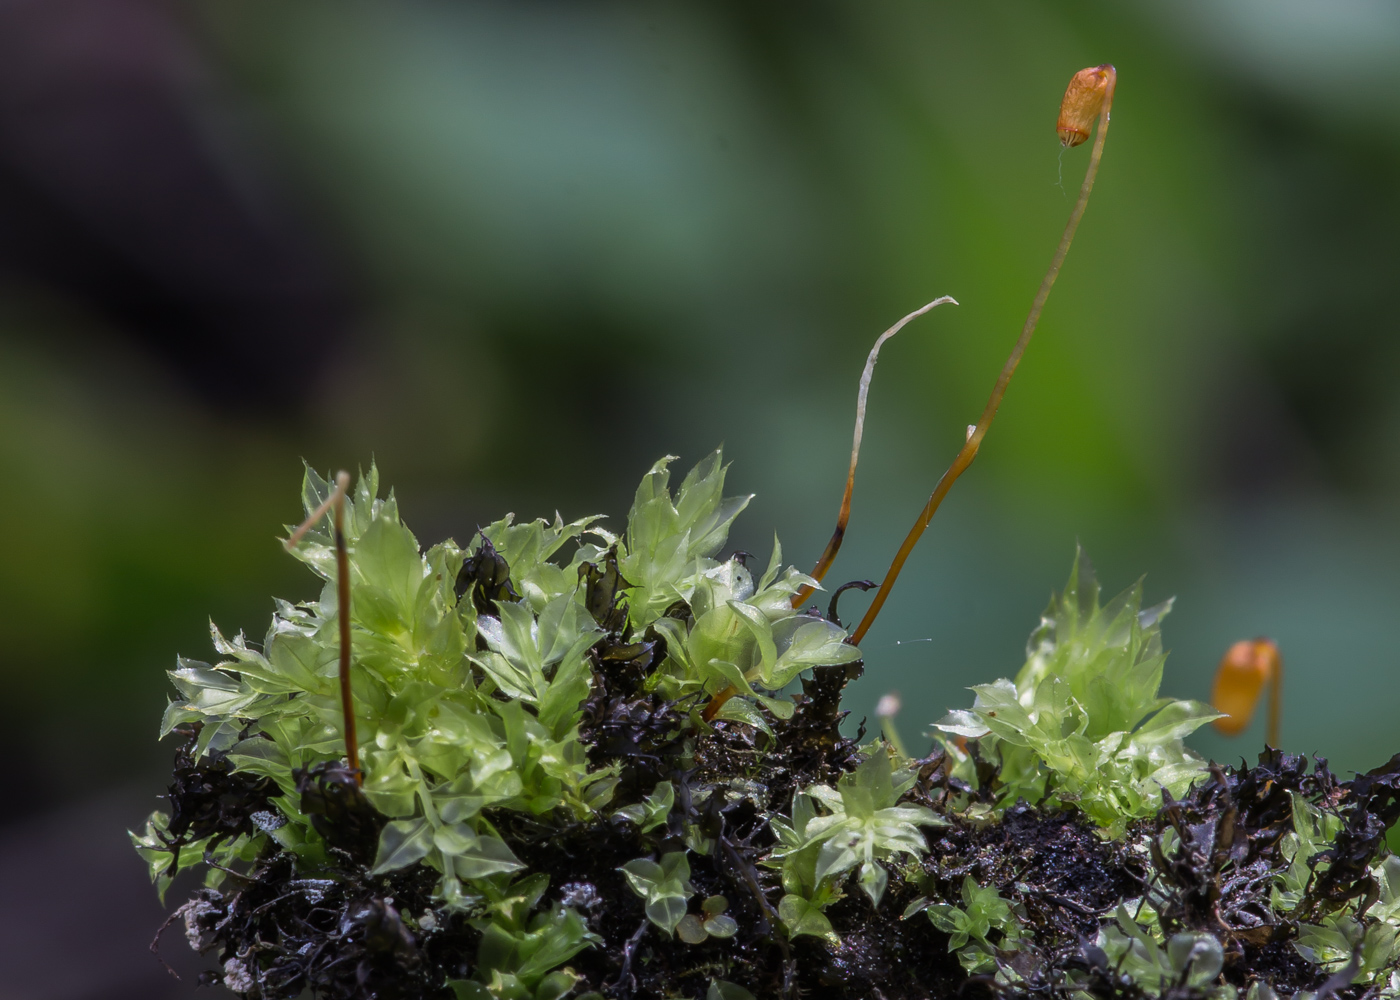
{"x":127,"y":191}
{"x":514,"y":252}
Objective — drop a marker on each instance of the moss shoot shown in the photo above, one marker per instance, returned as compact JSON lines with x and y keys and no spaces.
{"x":545,"y":811}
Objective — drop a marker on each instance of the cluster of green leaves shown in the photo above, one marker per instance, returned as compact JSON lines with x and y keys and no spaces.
{"x":1338,"y":938}
{"x":652,"y":811}
{"x":1371,"y":937}
{"x":858,"y":826}
{"x":710,"y":922}
{"x":969,"y":926}
{"x":1313,"y":832}
{"x":1365,"y":931}
{"x":665,"y":890}
{"x":521,"y":950}
{"x":1083,"y":724}
{"x":671,"y":543}
{"x":218,"y":855}
{"x":740,"y":633}
{"x":465,"y":715}
{"x":1191,"y":959}
{"x":441,"y":747}
{"x":664,"y":887}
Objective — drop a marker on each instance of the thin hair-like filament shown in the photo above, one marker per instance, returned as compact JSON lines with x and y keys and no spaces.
{"x":843,"y":516}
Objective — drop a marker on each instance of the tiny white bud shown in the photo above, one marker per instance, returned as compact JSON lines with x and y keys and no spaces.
{"x":971,"y":429}
{"x":888,"y":706}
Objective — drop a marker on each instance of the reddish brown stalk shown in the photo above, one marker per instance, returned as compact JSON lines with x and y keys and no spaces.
{"x":1275,"y":706}
{"x":844,"y":515}
{"x":335,"y":503}
{"x":1100,"y":79}
{"x":342,"y":600}
{"x":713,"y":706}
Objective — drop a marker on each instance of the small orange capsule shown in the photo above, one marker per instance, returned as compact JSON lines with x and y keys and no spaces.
{"x":1082,"y":103}
{"x":1247,"y":666}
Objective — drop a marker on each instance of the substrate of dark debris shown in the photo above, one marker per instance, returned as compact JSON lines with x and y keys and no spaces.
{"x":279,"y":931}
{"x":341,"y":933}
{"x":208,"y":799}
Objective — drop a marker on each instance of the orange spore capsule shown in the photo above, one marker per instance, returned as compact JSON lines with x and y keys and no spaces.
{"x":1082,"y":103}
{"x":1244,"y":670}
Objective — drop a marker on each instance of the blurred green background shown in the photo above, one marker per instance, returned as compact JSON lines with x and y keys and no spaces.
{"x":551,"y":242}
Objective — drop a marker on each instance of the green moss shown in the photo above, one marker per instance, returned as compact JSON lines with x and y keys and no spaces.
{"x":546,"y":809}
{"x":1083,"y":722}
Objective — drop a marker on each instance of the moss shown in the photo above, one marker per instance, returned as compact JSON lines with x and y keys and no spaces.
{"x":546,"y":809}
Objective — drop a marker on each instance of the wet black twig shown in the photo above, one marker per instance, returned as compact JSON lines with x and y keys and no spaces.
{"x":836,"y":596}
{"x":750,"y":879}
{"x":626,"y":982}
{"x":1062,"y":901}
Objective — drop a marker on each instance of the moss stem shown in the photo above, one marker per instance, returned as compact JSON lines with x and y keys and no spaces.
{"x":844,"y":514}
{"x":968,"y":452}
{"x":1271,"y":733}
{"x":335,"y":505}
{"x":342,"y":593}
